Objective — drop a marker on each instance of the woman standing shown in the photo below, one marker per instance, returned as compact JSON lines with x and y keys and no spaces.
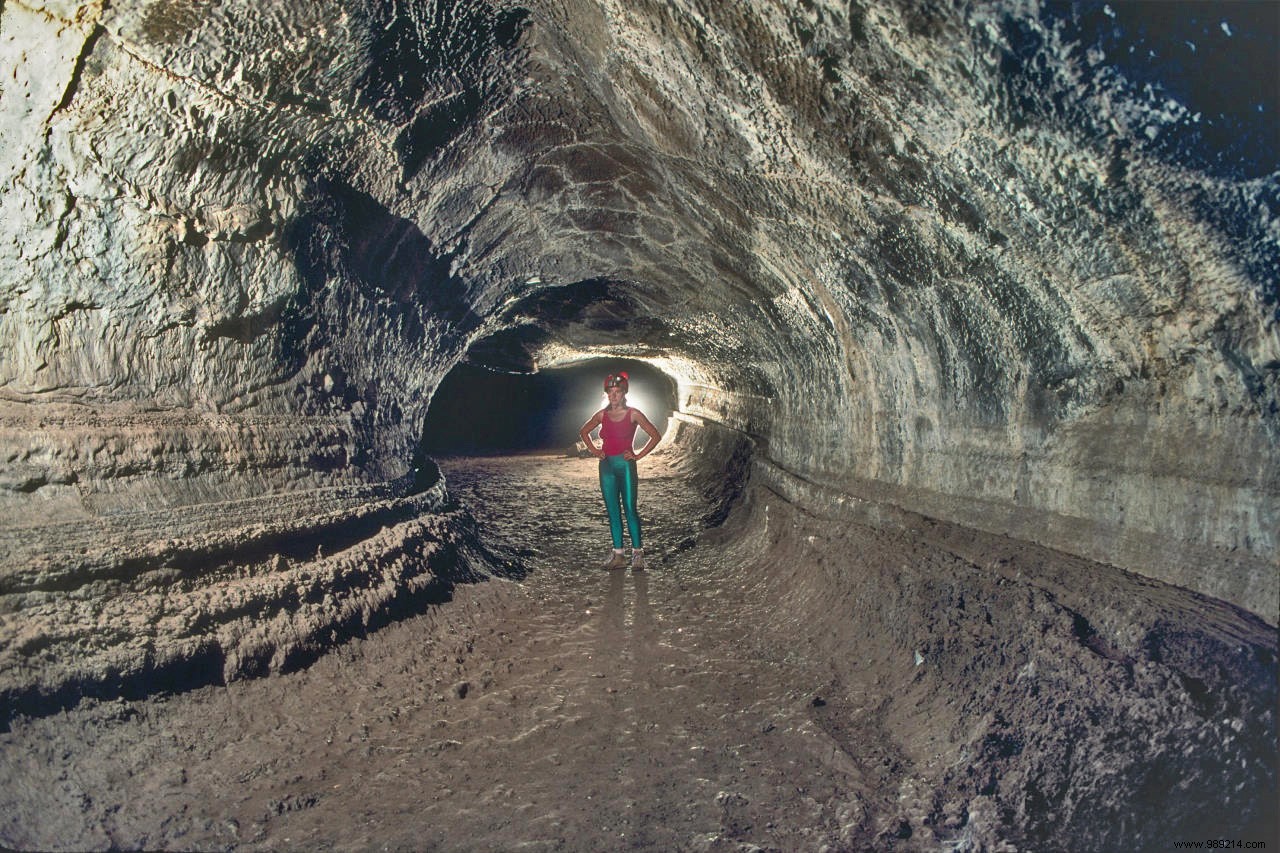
{"x":618,"y":480}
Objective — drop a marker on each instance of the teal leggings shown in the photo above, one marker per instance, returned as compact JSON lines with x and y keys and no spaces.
{"x":618,"y":484}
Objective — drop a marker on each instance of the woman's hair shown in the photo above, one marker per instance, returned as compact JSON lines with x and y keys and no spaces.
{"x":617,"y":380}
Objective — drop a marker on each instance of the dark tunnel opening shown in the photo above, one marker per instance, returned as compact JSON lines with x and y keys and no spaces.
{"x":477,"y":411}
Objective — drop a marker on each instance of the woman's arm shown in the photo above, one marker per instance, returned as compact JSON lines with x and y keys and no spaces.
{"x":585,"y":434}
{"x":654,"y":435}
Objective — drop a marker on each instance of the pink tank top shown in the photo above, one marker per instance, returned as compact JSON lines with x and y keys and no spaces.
{"x":618,"y":436}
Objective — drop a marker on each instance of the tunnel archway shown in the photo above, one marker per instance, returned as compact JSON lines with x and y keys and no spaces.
{"x":480,"y":411}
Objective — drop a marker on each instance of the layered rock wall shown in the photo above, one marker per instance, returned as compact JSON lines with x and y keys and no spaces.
{"x":913,"y":254}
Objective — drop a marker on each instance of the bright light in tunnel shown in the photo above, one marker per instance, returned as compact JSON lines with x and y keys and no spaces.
{"x":639,"y":396}
{"x":636,"y":399}
{"x":478,"y":410}
{"x":683,"y":372}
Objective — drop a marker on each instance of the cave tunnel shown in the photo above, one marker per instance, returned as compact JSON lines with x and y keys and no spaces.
{"x":959,"y":320}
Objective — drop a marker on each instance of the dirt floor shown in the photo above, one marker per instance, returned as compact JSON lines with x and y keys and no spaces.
{"x":576,"y":709}
{"x":570,"y":709}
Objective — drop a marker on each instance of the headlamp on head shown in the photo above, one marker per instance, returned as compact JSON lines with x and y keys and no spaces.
{"x":617,"y":380}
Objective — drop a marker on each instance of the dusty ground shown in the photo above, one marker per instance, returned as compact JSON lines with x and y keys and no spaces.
{"x":576,"y":709}
{"x":572,"y":709}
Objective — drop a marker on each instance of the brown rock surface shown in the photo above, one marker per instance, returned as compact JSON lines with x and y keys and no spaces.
{"x":244,"y":218}
{"x":936,"y":274}
{"x":789,"y":682}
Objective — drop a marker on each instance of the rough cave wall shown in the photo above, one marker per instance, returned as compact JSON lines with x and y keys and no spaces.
{"x":910,"y":258}
{"x":244,"y":242}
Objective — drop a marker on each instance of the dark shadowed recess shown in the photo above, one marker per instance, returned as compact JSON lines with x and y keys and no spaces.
{"x":1216,"y":58}
{"x":345,"y":233}
{"x":415,"y":57}
{"x":1207,"y":74}
{"x":480,"y":411}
